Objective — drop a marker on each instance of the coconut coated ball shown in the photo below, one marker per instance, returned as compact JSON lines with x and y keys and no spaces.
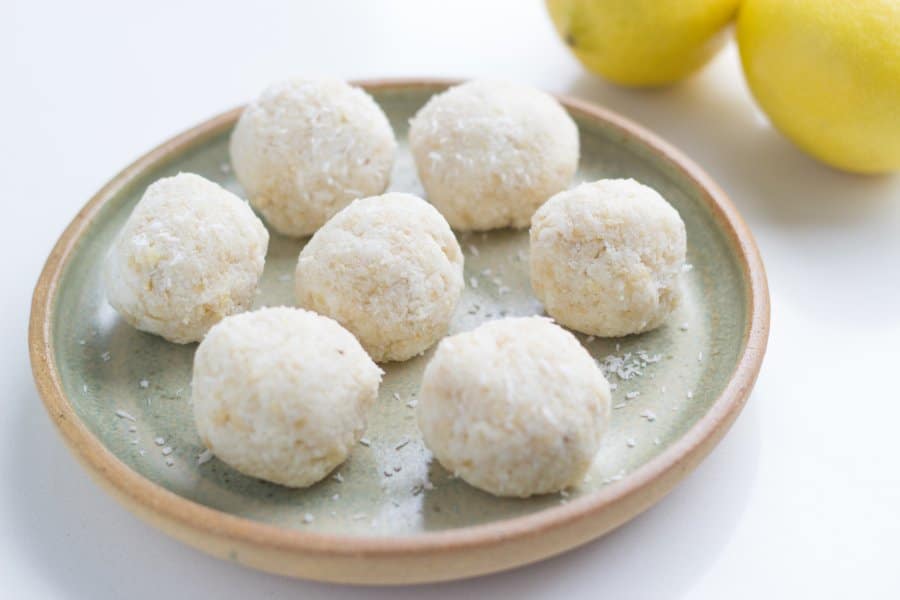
{"x":190,"y":253}
{"x":387,"y":268}
{"x":282,"y":394}
{"x":515,"y":407}
{"x":304,"y":149}
{"x":606,"y":257}
{"x":489,"y":153}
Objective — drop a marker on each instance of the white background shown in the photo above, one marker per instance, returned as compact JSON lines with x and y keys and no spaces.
{"x":802,"y":498}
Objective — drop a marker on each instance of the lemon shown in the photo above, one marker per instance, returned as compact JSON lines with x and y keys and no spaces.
{"x":827,"y":72}
{"x":642,"y":42}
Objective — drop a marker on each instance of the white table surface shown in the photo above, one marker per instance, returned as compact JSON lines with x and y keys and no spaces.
{"x":801,"y":499}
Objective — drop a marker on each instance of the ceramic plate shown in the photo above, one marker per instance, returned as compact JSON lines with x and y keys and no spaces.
{"x":390,"y":514}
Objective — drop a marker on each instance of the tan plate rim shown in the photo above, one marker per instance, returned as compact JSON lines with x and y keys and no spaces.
{"x":429,"y":556}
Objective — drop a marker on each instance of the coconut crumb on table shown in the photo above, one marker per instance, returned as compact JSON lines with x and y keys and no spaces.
{"x":630,"y":442}
{"x":144,"y":384}
{"x":338,"y":477}
{"x":308,"y":518}
{"x":365,"y":441}
{"x":167,"y":451}
{"x":649,"y":415}
{"x":402,"y":443}
{"x":159,"y":441}
{"x":170,"y":461}
{"x":473,"y":282}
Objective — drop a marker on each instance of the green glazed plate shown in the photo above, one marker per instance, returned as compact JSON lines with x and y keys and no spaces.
{"x":391,"y":514}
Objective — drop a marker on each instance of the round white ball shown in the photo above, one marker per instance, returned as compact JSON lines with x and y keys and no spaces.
{"x":387,"y":268}
{"x":190,"y":253}
{"x":282,"y":394}
{"x":304,"y":149}
{"x":490,"y":153}
{"x":516,"y":407}
{"x":606,"y":257}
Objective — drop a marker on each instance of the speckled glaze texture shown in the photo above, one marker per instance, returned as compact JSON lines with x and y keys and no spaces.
{"x":390,"y":491}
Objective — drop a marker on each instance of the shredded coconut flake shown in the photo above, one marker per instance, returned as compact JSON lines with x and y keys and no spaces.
{"x":124,"y":415}
{"x":204,"y":457}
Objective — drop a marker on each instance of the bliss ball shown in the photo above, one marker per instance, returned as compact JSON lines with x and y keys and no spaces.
{"x":304,"y":149}
{"x":282,"y":394}
{"x":515,"y":407}
{"x":190,"y":254}
{"x":387,"y":268}
{"x":489,"y":153}
{"x":606,"y":257}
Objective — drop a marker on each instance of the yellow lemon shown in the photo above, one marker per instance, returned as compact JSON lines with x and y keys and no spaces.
{"x":642,"y":42}
{"x":827,"y":72}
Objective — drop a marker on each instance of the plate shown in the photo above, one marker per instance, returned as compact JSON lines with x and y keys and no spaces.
{"x":391,"y":514}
